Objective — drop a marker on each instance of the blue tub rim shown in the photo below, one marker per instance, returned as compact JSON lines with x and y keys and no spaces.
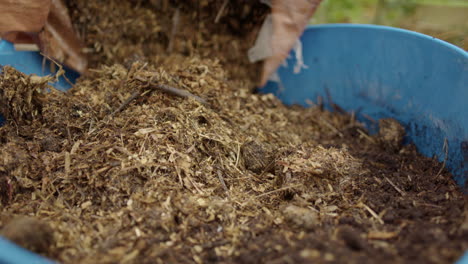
{"x":391,"y":29}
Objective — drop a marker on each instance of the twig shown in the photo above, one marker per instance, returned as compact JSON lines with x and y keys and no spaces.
{"x":180,"y":177}
{"x":394,"y":186}
{"x":277,"y":190}
{"x":429,"y":205}
{"x":223,"y":183}
{"x":334,"y":129}
{"x":381,"y":235}
{"x":70,"y":141}
{"x":26,"y":47}
{"x":193,"y":183}
{"x":165,"y":88}
{"x":446,"y":157}
{"x":267,"y":168}
{"x":335,"y":107}
{"x":60,"y":72}
{"x":368,"y":117}
{"x":172,"y":90}
{"x":67,"y":163}
{"x":126,"y":102}
{"x":221,"y":11}
{"x":175,"y":25}
{"x":215,"y":244}
{"x":352,"y":118}
{"x":362,"y":133}
{"x":178,"y":92}
{"x":373,"y":213}
{"x":238,"y":155}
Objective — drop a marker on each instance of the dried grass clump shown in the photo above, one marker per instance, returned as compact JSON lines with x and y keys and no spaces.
{"x":307,"y":167}
{"x":22,"y":104}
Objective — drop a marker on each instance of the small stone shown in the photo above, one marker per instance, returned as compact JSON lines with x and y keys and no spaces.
{"x":329,"y":257}
{"x":51,"y":143}
{"x":301,"y":217}
{"x":198,"y":249}
{"x":257,"y":158}
{"x":310,"y":253}
{"x":390,"y":216}
{"x":351,"y":238}
{"x":86,"y":204}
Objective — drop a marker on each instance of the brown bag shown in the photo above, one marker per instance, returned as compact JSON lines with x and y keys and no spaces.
{"x":45,"y":23}
{"x":23,"y":15}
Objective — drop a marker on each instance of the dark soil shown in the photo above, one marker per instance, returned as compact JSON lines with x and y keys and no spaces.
{"x":240,"y":179}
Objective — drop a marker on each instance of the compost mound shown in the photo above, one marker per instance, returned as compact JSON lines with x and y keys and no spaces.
{"x":162,"y":153}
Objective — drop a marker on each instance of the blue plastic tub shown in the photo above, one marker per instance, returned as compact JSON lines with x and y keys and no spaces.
{"x":373,"y":70}
{"x":31,"y":62}
{"x":388,"y":72}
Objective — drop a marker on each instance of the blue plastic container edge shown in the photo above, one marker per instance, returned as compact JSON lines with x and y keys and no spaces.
{"x":394,"y":29}
{"x":457,"y":149}
{"x":429,"y":126}
{"x":31,"y":62}
{"x":463,"y":259}
{"x":10,"y":253}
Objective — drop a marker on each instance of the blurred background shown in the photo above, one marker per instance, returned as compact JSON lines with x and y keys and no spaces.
{"x":443,"y":19}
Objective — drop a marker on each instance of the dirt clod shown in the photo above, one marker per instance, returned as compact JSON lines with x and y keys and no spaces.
{"x":351,"y":238}
{"x":23,"y":103}
{"x":303,"y":218}
{"x":257,"y":157}
{"x":391,"y":133}
{"x":51,"y":143}
{"x":30,"y":233}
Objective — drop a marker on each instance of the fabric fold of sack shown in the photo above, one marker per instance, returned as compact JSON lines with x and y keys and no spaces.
{"x":45,"y":23}
{"x":289,"y":18}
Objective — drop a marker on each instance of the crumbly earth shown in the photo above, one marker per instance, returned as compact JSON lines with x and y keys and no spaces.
{"x":240,"y":179}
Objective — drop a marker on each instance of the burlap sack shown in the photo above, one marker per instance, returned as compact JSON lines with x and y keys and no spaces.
{"x":45,"y":23}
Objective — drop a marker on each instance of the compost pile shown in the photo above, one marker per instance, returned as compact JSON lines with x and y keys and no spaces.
{"x":117,"y":170}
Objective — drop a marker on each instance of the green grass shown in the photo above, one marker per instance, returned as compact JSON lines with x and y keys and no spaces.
{"x":398,"y":13}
